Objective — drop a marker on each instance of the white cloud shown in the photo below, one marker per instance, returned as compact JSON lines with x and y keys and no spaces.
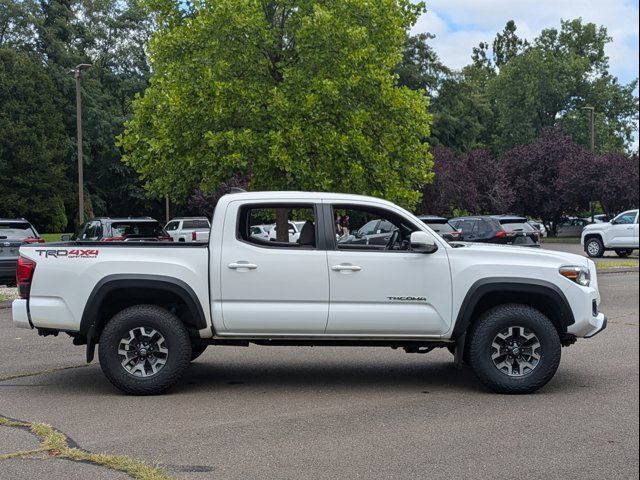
{"x":459,"y":25}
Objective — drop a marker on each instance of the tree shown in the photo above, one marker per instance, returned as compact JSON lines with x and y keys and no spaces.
{"x":453,"y":188}
{"x":421,"y":69}
{"x":549,"y":82}
{"x":33,"y":143}
{"x":293,"y":95}
{"x":550,"y":175}
{"x":617,"y":182}
{"x":494,"y":190}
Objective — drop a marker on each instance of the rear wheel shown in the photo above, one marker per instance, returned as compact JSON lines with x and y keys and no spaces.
{"x":514,"y":349}
{"x":144,"y":349}
{"x":594,"y":247}
{"x":624,"y":253}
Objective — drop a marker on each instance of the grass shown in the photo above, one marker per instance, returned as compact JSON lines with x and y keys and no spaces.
{"x":561,"y":240}
{"x":4,"y":297}
{"x":604,"y":264}
{"x":54,"y":444}
{"x":53,"y":237}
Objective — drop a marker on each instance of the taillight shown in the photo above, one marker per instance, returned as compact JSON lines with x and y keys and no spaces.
{"x":194,"y":237}
{"x":501,"y":234}
{"x":24,"y":274}
{"x":113,"y":239}
{"x":33,"y":240}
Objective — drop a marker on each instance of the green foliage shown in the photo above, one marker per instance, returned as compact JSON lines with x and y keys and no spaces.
{"x":294,"y":95}
{"x":32,"y":142}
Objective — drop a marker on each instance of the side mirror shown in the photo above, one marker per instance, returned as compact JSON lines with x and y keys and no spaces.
{"x":65,"y":238}
{"x":422,"y":242}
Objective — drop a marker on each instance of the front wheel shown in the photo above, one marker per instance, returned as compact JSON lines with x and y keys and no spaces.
{"x":144,"y":349}
{"x":594,"y":247}
{"x":514,"y":348}
{"x":624,"y":253}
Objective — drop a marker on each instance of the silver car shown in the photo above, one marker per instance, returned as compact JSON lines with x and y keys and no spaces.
{"x":13,"y":233}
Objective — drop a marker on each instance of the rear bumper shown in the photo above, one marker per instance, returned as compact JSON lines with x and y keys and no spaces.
{"x":20,"y":313}
{"x":8,"y":271}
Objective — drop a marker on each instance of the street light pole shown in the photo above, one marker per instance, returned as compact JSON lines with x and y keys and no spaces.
{"x":76,"y":74}
{"x":592,"y":112}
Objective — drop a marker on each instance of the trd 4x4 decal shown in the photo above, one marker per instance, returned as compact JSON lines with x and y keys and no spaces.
{"x":76,"y":253}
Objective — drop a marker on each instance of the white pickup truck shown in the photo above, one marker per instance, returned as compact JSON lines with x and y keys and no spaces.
{"x":154,"y":307}
{"x":620,"y":235}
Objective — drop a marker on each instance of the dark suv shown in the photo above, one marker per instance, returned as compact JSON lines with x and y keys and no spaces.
{"x":139,"y":229}
{"x":441,"y":226}
{"x":13,"y":233}
{"x":500,"y":229}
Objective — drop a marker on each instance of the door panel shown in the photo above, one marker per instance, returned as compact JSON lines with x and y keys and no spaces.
{"x":386,"y":290}
{"x":392,"y":293}
{"x":271,"y":290}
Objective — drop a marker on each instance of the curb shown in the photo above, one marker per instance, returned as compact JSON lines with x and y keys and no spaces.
{"x":606,"y":271}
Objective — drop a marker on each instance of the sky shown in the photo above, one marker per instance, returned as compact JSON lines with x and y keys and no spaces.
{"x":459,"y":25}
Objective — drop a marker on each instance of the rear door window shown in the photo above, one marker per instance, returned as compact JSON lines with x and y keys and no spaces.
{"x":254,"y":217}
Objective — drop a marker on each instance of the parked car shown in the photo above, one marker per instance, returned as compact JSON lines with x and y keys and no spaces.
{"x":294,"y":231}
{"x":499,"y":229}
{"x":261,"y":231}
{"x":441,"y":226}
{"x":620,"y":235}
{"x":376,"y":232}
{"x":154,"y":308}
{"x":14,"y":232}
{"x":539,"y":225}
{"x":130,"y":229}
{"x":188,"y":229}
{"x":571,"y":227}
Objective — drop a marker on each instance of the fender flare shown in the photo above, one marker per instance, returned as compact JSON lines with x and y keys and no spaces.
{"x":487,"y":286}
{"x":108,"y":284}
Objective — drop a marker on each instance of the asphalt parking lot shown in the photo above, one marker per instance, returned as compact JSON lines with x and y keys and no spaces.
{"x":300,"y":412}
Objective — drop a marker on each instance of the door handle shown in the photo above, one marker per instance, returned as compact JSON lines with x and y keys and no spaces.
{"x":242,"y":266}
{"x":346,"y":268}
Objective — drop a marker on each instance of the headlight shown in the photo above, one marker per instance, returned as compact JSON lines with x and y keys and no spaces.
{"x":580,"y":275}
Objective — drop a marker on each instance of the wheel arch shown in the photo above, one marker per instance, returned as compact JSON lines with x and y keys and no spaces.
{"x":114,"y":293}
{"x":539,"y":294}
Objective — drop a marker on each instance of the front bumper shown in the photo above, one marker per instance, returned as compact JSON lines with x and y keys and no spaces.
{"x":20,"y":313}
{"x":598,"y":330}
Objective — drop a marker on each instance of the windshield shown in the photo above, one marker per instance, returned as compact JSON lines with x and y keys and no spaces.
{"x":137,"y":229}
{"x":516,"y":226}
{"x":16,"y":230}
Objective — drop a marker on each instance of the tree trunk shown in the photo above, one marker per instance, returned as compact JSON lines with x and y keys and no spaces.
{"x":282,"y":225}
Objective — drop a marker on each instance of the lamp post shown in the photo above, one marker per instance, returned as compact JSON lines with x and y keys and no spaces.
{"x":592,"y":112}
{"x":76,"y":74}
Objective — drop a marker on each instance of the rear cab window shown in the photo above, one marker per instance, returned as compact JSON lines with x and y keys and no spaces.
{"x":137,"y":229}
{"x":195,"y":225}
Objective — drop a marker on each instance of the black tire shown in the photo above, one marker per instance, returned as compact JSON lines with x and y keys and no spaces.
{"x":498,"y":320}
{"x":624,"y":253}
{"x":197,"y":350}
{"x":176,"y":342}
{"x":594,"y":247}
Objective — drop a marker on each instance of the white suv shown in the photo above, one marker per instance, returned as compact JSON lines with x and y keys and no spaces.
{"x":620,"y":234}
